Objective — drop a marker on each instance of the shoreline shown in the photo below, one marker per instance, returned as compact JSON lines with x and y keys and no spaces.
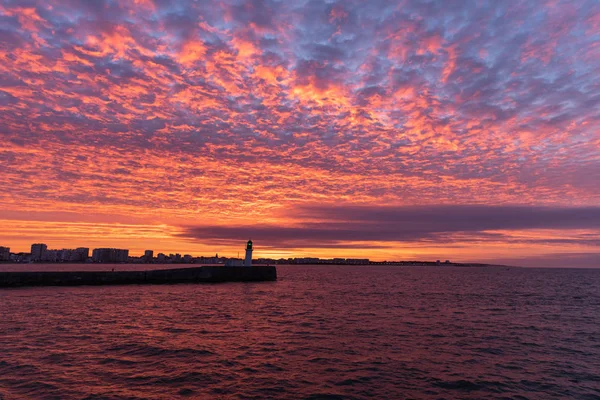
{"x":194,"y":265}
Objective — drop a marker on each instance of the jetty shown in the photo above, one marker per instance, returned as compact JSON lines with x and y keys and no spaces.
{"x":204,"y":274}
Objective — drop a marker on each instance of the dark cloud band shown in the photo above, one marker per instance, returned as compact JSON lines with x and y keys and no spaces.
{"x":340,"y":224}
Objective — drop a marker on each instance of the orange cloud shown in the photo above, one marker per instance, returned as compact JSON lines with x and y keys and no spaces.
{"x":191,"y":52}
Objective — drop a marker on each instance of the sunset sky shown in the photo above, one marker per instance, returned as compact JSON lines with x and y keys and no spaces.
{"x":461,"y":130}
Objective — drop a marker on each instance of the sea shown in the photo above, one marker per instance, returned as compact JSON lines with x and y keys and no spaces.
{"x":319,"y":332}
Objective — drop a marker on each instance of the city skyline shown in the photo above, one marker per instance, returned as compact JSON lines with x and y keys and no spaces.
{"x":406,"y":130}
{"x":41,"y":252}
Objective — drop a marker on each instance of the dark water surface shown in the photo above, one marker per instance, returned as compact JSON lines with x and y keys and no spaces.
{"x":319,"y":332}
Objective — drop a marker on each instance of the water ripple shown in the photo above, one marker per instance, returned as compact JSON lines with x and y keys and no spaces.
{"x":317,"y":333}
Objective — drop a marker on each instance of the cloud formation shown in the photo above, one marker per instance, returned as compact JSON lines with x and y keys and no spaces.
{"x":232,"y":112}
{"x":331,"y":226}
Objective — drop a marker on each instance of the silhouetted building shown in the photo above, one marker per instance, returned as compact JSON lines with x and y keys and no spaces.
{"x":4,"y":253}
{"x":357,"y":261}
{"x":307,"y":260}
{"x":81,"y":254}
{"x":52,"y":255}
{"x":234,"y":262}
{"x":20,"y":257}
{"x":65,"y":255}
{"x":38,"y":251}
{"x":108,"y":255}
{"x":148,"y":256}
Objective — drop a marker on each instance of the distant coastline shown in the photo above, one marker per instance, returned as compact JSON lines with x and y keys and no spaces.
{"x":276,"y":262}
{"x":41,"y":254}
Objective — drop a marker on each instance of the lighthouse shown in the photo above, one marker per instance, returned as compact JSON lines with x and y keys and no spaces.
{"x":248,"y":260}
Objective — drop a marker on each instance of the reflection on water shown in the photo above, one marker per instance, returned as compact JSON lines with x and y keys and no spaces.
{"x":319,"y":332}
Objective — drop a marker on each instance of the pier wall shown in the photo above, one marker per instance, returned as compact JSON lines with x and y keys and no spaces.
{"x":161,"y":276}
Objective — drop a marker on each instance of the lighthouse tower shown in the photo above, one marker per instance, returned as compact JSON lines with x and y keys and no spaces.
{"x":248,"y":260}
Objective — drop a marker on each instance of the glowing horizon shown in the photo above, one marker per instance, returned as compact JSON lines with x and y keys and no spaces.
{"x":382,"y":129}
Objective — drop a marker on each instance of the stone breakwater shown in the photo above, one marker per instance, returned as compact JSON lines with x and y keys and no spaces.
{"x":205,"y":274}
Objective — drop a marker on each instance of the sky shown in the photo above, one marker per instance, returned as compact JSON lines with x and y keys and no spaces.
{"x":389,"y":130}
